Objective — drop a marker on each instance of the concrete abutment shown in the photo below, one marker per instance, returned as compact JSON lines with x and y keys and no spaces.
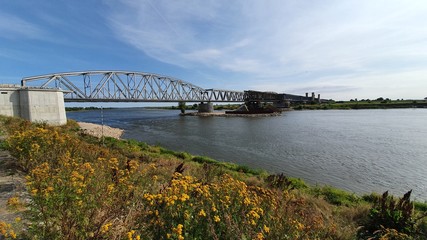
{"x":33,"y":104}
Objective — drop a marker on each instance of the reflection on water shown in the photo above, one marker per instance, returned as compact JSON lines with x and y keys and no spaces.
{"x":357,"y":150}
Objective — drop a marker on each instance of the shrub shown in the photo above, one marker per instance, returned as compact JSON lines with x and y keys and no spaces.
{"x":387,"y":214}
{"x":285,"y":183}
{"x":36,"y":145}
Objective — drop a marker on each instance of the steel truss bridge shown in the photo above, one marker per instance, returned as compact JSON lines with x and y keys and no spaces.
{"x":126,"y":86}
{"x":123,"y":86}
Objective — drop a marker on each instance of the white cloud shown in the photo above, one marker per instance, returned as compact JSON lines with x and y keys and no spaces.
{"x":276,"y":42}
{"x":14,"y":27}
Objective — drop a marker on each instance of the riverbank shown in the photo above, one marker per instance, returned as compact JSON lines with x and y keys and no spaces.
{"x":123,"y":188}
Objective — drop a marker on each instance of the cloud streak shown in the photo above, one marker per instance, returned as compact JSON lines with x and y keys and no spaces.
{"x":14,"y":27}
{"x":276,"y":42}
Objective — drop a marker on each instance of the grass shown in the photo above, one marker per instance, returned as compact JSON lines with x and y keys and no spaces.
{"x":336,"y":196}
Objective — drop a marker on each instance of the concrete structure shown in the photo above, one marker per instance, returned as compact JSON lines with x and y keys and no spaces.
{"x":206,"y":107}
{"x":35,"y":105}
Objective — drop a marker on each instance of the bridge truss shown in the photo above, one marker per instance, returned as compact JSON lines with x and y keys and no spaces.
{"x":123,"y":86}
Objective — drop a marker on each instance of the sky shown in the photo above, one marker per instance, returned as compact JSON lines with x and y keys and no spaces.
{"x":343,"y":50}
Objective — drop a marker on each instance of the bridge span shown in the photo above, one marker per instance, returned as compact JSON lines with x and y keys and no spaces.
{"x":123,"y":86}
{"x":41,"y":98}
{"x":126,"y":86}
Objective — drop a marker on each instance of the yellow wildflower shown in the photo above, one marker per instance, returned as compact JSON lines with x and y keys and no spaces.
{"x":178,"y":229}
{"x":13,"y":202}
{"x":110,"y":188}
{"x":130,"y":234}
{"x":18,"y":219}
{"x":105,"y":227}
{"x":266,"y":229}
{"x":202,"y":213}
{"x":12,"y":234}
{"x":216,"y":218}
{"x":246,"y":201}
{"x":260,"y":236}
{"x":34,"y":192}
{"x":184,"y":197}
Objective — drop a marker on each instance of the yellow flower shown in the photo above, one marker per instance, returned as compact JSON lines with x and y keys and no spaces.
{"x":130,"y":234}
{"x":105,"y":227}
{"x":202,"y":213}
{"x":266,"y":229}
{"x":260,"y":236}
{"x":12,"y":234}
{"x":168,"y":235}
{"x":300,"y":226}
{"x":34,"y":192}
{"x":180,"y":237}
{"x":246,"y":201}
{"x":18,"y":219}
{"x":216,"y":218}
{"x":184,"y":197}
{"x":110,"y":188}
{"x":178,"y":229}
{"x":13,"y":202}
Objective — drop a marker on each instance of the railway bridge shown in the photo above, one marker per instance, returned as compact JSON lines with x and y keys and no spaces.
{"x":41,"y":98}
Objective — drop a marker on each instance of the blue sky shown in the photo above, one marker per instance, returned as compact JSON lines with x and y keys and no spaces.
{"x":340,"y":49}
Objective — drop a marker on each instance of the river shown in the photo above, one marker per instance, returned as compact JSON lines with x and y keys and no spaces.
{"x":361,"y":151}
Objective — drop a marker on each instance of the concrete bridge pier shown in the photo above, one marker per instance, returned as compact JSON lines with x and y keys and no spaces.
{"x":206,"y":107}
{"x":33,"y":104}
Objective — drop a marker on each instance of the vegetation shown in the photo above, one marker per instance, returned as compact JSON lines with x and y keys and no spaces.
{"x":80,"y":189}
{"x":379,"y":103}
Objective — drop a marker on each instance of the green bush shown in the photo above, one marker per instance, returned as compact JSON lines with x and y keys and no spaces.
{"x":388,"y":213}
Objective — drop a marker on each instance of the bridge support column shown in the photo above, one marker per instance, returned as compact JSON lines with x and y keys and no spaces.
{"x":206,"y":107}
{"x":35,"y":105}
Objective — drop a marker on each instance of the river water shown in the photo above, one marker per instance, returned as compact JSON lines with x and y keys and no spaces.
{"x":361,"y":151}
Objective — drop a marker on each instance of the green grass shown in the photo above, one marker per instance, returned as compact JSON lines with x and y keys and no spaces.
{"x":335,"y":196}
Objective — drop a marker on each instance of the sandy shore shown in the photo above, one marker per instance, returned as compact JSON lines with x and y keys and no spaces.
{"x":97,"y":130}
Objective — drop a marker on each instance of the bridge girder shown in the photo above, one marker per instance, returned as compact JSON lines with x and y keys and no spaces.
{"x":125,"y":86}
